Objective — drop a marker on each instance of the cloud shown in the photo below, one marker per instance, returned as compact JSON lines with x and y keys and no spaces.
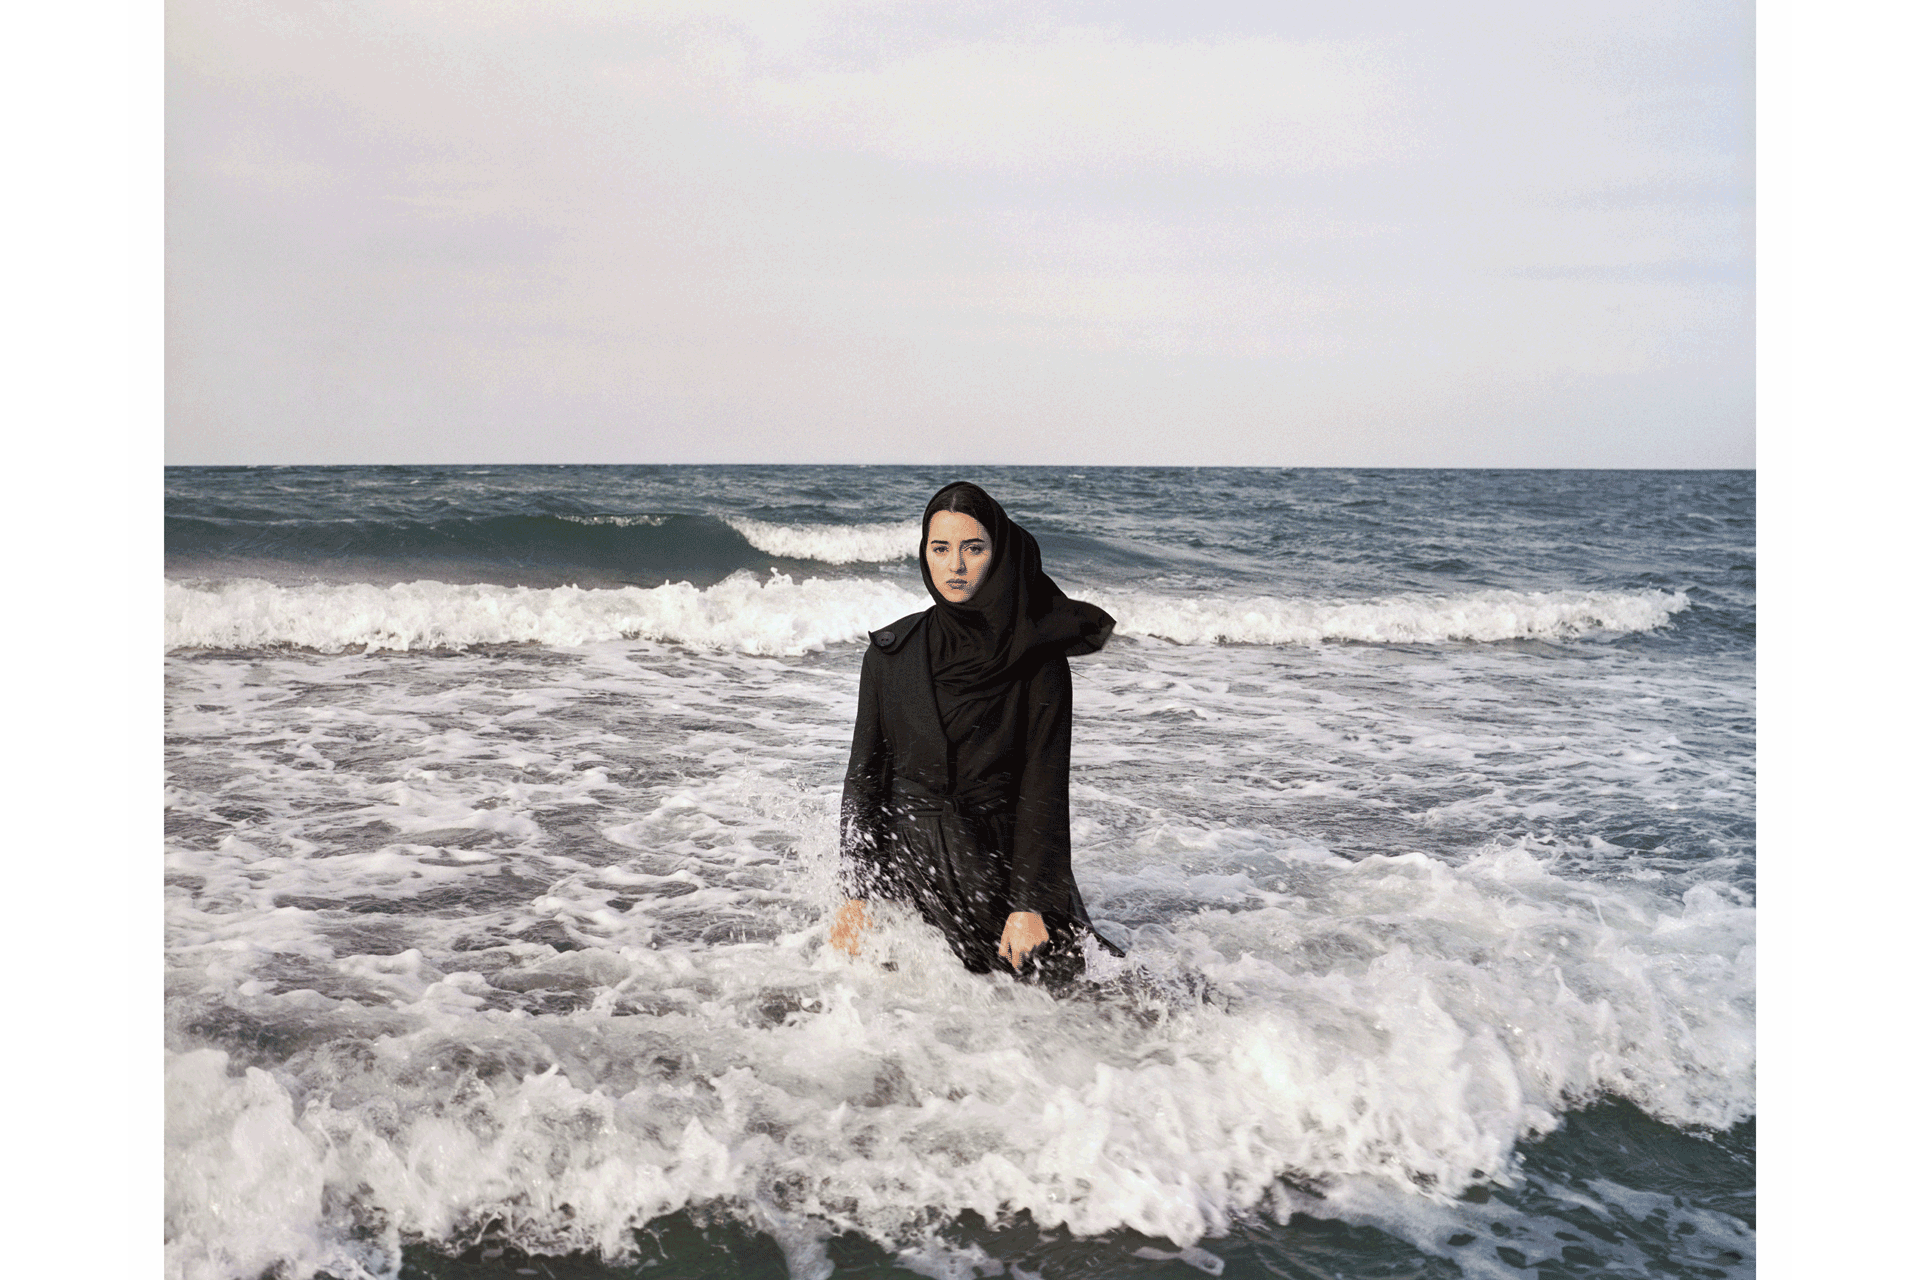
{"x":589,"y":229}
{"x":1075,"y":99}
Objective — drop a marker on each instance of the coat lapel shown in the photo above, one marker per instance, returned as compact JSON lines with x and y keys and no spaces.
{"x":922,"y":712}
{"x":914,"y":735}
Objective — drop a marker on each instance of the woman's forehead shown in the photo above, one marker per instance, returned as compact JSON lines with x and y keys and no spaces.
{"x":955,"y":526}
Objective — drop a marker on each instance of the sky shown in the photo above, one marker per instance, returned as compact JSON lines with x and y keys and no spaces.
{"x":1371,"y":234}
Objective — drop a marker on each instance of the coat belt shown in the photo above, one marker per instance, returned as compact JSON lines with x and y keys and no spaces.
{"x":981,"y":797}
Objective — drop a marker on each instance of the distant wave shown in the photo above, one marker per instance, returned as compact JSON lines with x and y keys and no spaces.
{"x":832,"y":543}
{"x":531,"y":550}
{"x":1477,"y":615}
{"x":782,"y":616}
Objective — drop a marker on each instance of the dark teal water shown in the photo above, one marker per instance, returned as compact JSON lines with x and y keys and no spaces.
{"x":1327,"y":532}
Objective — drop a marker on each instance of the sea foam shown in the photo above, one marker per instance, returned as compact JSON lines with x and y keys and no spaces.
{"x":832,"y":543}
{"x":784,"y":616}
{"x":780,"y":616}
{"x":1407,"y":619}
{"x":811,"y":1094}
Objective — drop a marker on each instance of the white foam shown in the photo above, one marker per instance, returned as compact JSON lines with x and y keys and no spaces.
{"x":832,"y":543}
{"x":244,"y":1181}
{"x":1397,"y":1025}
{"x":619,"y":522}
{"x":345,"y":830}
{"x":782,"y":616}
{"x":1409,"y":619}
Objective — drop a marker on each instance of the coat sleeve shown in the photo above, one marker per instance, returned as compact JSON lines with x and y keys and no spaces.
{"x":863,"y":847}
{"x":1040,"y":876}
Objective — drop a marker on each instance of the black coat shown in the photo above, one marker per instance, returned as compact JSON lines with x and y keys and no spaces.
{"x":965,"y":831}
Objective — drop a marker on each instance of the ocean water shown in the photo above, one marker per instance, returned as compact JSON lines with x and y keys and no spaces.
{"x":500,"y":840}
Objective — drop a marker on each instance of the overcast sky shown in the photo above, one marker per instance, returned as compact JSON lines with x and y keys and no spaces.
{"x":1392,"y":234}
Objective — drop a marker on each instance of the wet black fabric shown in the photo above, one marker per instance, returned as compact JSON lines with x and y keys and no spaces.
{"x":1018,"y":615}
{"x":971,"y":828}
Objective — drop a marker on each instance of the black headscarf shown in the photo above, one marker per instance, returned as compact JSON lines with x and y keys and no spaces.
{"x":1017,"y":619}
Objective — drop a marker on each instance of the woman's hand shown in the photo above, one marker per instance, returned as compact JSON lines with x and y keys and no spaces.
{"x":850,"y":925}
{"x":1025,"y":930}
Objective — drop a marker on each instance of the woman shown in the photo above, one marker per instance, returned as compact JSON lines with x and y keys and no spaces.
{"x":956,"y":793}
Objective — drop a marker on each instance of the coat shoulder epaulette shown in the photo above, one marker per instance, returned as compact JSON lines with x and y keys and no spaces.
{"x":889,"y":638}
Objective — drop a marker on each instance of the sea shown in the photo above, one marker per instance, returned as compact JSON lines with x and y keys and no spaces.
{"x":500,"y":839}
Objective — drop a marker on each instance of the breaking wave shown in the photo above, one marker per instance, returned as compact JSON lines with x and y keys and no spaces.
{"x":784,"y":616}
{"x":1409,"y":619}
{"x":815,"y":1097}
{"x":832,"y":543}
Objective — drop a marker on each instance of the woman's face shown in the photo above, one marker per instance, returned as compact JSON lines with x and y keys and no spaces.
{"x":958,"y":553}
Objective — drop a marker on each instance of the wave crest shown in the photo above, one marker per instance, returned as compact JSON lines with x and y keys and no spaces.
{"x":782,"y":616}
{"x":1479,"y":615}
{"x":832,"y":543}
